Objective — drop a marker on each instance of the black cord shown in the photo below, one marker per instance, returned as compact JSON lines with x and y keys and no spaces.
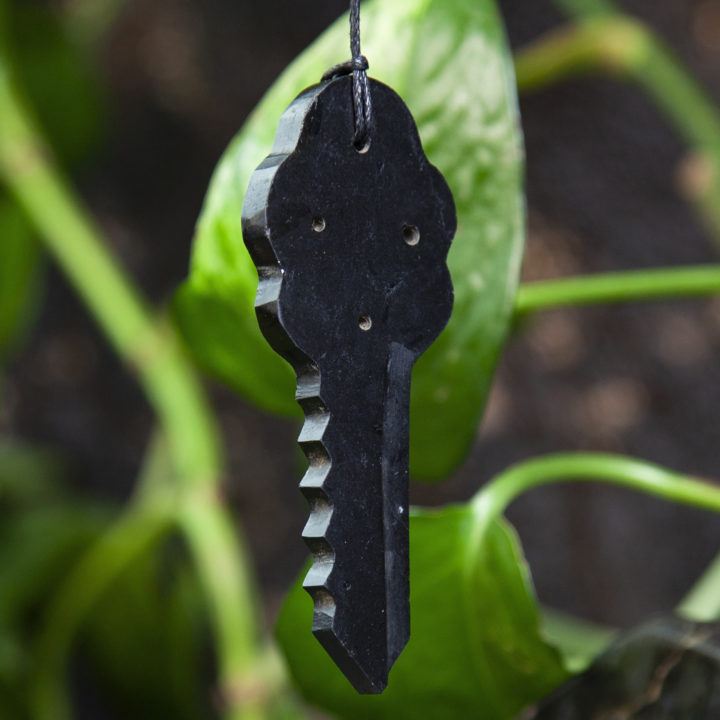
{"x":358,"y":66}
{"x":361,"y":87}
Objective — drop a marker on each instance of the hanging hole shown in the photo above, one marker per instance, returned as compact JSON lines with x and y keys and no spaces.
{"x":318,"y":223}
{"x":365,"y":322}
{"x":362,"y":146}
{"x":411,"y":235}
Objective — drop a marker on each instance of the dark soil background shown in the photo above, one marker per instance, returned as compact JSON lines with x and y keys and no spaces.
{"x":181,"y":76}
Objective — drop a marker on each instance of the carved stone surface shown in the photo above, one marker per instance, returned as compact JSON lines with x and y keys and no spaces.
{"x":351,"y":250}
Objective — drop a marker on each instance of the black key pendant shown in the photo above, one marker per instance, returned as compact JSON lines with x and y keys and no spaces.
{"x":351,"y":247}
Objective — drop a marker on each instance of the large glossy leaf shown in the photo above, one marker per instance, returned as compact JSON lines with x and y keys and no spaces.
{"x":475,"y":649}
{"x":449,"y":61}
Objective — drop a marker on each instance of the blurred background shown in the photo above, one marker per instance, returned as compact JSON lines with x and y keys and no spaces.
{"x":180,"y":76}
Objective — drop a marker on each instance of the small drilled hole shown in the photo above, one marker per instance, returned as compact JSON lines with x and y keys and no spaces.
{"x":362,"y":148}
{"x":318,"y":223}
{"x":411,"y":235}
{"x":365,"y":322}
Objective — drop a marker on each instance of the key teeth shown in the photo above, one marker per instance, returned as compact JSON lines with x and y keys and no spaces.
{"x":317,"y":580}
{"x":270,"y":280}
{"x":324,"y":611}
{"x":316,"y":529}
{"x":315,"y":535}
{"x":312,"y":486}
{"x":311,"y":436}
{"x":317,"y":417}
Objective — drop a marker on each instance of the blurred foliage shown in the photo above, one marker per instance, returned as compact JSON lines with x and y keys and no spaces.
{"x":154,"y":670}
{"x":145,"y":640}
{"x":56,"y":75}
{"x":42,"y":533}
{"x":603,"y":39}
{"x":29,"y":475}
{"x":450,"y":61}
{"x":58,"y":78}
{"x":37,"y":548}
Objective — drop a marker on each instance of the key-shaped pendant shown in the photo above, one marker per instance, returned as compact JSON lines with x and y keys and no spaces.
{"x":350,"y":247}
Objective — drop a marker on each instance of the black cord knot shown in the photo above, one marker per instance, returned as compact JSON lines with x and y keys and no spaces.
{"x":360,"y":63}
{"x":357,"y":66}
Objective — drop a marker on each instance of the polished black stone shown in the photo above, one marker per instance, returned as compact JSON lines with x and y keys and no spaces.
{"x":351,"y":247}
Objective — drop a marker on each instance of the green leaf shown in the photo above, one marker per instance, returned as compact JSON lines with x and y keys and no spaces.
{"x":37,"y":547}
{"x":147,"y":637}
{"x":43,"y":531}
{"x":475,"y":648}
{"x":450,"y":62}
{"x":19,"y":286}
{"x":29,"y":475}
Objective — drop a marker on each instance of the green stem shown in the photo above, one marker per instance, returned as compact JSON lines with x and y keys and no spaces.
{"x":148,"y":346}
{"x":606,"y":41}
{"x":152,"y":349}
{"x":612,"y":45}
{"x":491,"y":502}
{"x":495,"y":497}
{"x":225,"y":566}
{"x":619,"y":287}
